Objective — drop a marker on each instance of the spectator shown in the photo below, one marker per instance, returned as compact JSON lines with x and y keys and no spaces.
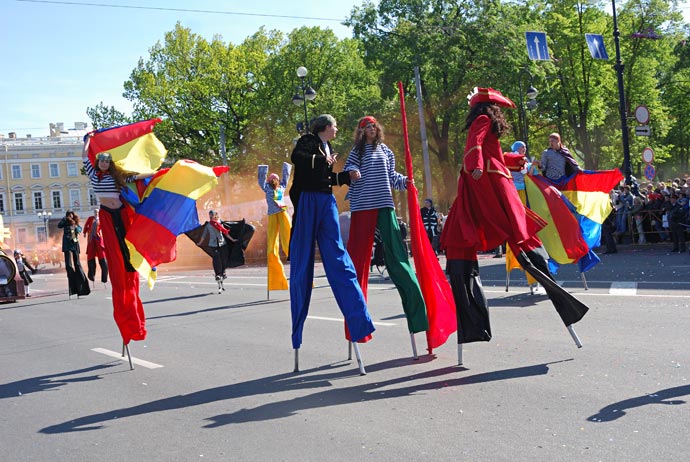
{"x":430,"y":221}
{"x":624,"y":204}
{"x":677,"y":217}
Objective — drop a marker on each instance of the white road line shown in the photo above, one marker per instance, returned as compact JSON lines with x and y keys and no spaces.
{"x":623,"y":288}
{"x":376,"y":323}
{"x":115,"y":354}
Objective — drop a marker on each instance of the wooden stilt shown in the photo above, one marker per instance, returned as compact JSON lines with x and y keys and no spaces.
{"x":414,"y":347}
{"x":359,"y":359}
{"x":296,"y":360}
{"x":573,"y":334}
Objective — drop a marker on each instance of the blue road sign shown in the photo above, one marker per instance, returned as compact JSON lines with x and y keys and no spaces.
{"x":537,"y":48}
{"x":595,"y":42}
{"x":649,"y":172}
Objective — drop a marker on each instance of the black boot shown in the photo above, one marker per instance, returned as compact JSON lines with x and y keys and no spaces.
{"x":472,"y":309}
{"x":570,"y":309}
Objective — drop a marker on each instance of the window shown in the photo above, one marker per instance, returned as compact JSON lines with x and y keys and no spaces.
{"x":16,"y":172}
{"x":72,"y":169}
{"x":74,"y":198}
{"x":54,"y":170}
{"x":38,"y":200}
{"x":2,"y":202}
{"x":57,"y":199}
{"x":41,"y":234}
{"x":35,"y":171}
{"x":21,"y":235}
{"x":19,"y":202}
{"x":93,"y":202}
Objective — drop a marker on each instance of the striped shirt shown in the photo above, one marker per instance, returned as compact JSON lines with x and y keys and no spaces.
{"x":104,"y":186}
{"x":374,"y":189}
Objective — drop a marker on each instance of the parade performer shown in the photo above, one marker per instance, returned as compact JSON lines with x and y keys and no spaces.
{"x":95,"y":248}
{"x":107,"y":180}
{"x":317,"y":220}
{"x":371,"y":166}
{"x":22,"y":266}
{"x":278,"y":223}
{"x":215,"y":236}
{"x":488,"y":212}
{"x":78,"y":285}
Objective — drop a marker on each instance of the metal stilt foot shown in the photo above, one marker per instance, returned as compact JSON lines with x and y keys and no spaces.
{"x":296,"y":360}
{"x":359,"y":359}
{"x":573,"y":334}
{"x":584,"y":281}
{"x":123,"y":349}
{"x":414,"y":346}
{"x":459,"y":354}
{"x":349,"y":351}
{"x":131,"y":368}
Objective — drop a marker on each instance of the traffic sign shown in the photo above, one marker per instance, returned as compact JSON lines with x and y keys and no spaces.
{"x":537,"y":48}
{"x":597,"y":49}
{"x":643,"y":130}
{"x":648,"y":155}
{"x":649,"y":172}
{"x":642,"y":114}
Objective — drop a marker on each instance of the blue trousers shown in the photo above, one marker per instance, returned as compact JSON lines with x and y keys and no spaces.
{"x":317,"y":220}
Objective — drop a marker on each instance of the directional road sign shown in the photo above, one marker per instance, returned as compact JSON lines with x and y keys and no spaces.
{"x":595,"y":42}
{"x":537,"y":48}
{"x":643,"y":130}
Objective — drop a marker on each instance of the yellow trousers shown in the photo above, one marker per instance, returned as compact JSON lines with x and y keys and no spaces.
{"x":511,"y":259}
{"x":278,"y":227}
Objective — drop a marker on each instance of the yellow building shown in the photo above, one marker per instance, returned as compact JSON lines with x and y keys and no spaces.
{"x":40,"y":180}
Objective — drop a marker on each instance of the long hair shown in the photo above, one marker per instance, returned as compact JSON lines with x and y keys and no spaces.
{"x":360,"y":139}
{"x":119,"y":175}
{"x":499,"y":125}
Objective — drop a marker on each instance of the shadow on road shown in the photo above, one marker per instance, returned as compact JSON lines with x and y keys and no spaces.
{"x":617,"y":410}
{"x":49,"y":382}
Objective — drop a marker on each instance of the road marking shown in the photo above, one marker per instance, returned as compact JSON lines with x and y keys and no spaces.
{"x":115,"y":354}
{"x":376,"y":323}
{"x":623,"y":288}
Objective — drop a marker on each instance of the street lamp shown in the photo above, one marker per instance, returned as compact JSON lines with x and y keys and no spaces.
{"x":46,"y":217}
{"x":304,"y":93}
{"x":627,"y":168}
{"x":531,"y":95}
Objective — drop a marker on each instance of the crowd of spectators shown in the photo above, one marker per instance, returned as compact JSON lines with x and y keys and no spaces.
{"x":649,"y":213}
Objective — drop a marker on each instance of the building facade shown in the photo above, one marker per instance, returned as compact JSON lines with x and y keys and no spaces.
{"x":40,"y":180}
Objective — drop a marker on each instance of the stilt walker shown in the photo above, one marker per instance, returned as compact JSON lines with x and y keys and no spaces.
{"x":488,"y":212}
{"x":317,"y":221}
{"x":279,"y":226}
{"x":95,"y":250}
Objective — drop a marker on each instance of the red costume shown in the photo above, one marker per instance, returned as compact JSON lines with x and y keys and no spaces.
{"x":487,"y":212}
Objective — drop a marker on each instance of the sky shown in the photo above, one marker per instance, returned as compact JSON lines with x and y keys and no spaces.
{"x":60,"y":57}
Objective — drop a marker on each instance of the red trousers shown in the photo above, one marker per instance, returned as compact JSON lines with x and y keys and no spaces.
{"x":128,"y":310}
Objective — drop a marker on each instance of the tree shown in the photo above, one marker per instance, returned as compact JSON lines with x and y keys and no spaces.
{"x":103,"y":116}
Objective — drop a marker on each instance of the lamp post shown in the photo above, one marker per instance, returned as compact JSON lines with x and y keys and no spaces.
{"x":627,"y":168}
{"x":304,"y":93}
{"x":46,"y":217}
{"x":531,"y":103}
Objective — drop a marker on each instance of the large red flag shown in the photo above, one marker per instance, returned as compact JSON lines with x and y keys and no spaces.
{"x":438,"y":296}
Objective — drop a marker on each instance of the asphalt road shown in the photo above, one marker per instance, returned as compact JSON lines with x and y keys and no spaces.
{"x":214,"y":381}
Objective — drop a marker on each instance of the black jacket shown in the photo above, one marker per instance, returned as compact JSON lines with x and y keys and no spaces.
{"x":312,"y":172}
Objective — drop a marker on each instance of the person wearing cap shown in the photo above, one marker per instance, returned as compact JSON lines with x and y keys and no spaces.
{"x":95,"y":248}
{"x":77,"y":282}
{"x":316,"y":220}
{"x":371,"y":166}
{"x":279,"y":226}
{"x":430,"y":221}
{"x":215,"y":236}
{"x":487,"y":212}
{"x":107,"y":179}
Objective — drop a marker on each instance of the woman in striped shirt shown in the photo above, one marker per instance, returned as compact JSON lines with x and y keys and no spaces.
{"x":373,"y":177}
{"x":107,"y":181}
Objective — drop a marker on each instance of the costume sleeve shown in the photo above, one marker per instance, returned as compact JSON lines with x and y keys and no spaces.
{"x":62,"y":223}
{"x":513,"y":161}
{"x":287,"y":171}
{"x":544,"y":160}
{"x":261,"y":176}
{"x":397,"y":180}
{"x":474,"y":157}
{"x":339,"y":179}
{"x":306,"y":154}
{"x":353,"y":161}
